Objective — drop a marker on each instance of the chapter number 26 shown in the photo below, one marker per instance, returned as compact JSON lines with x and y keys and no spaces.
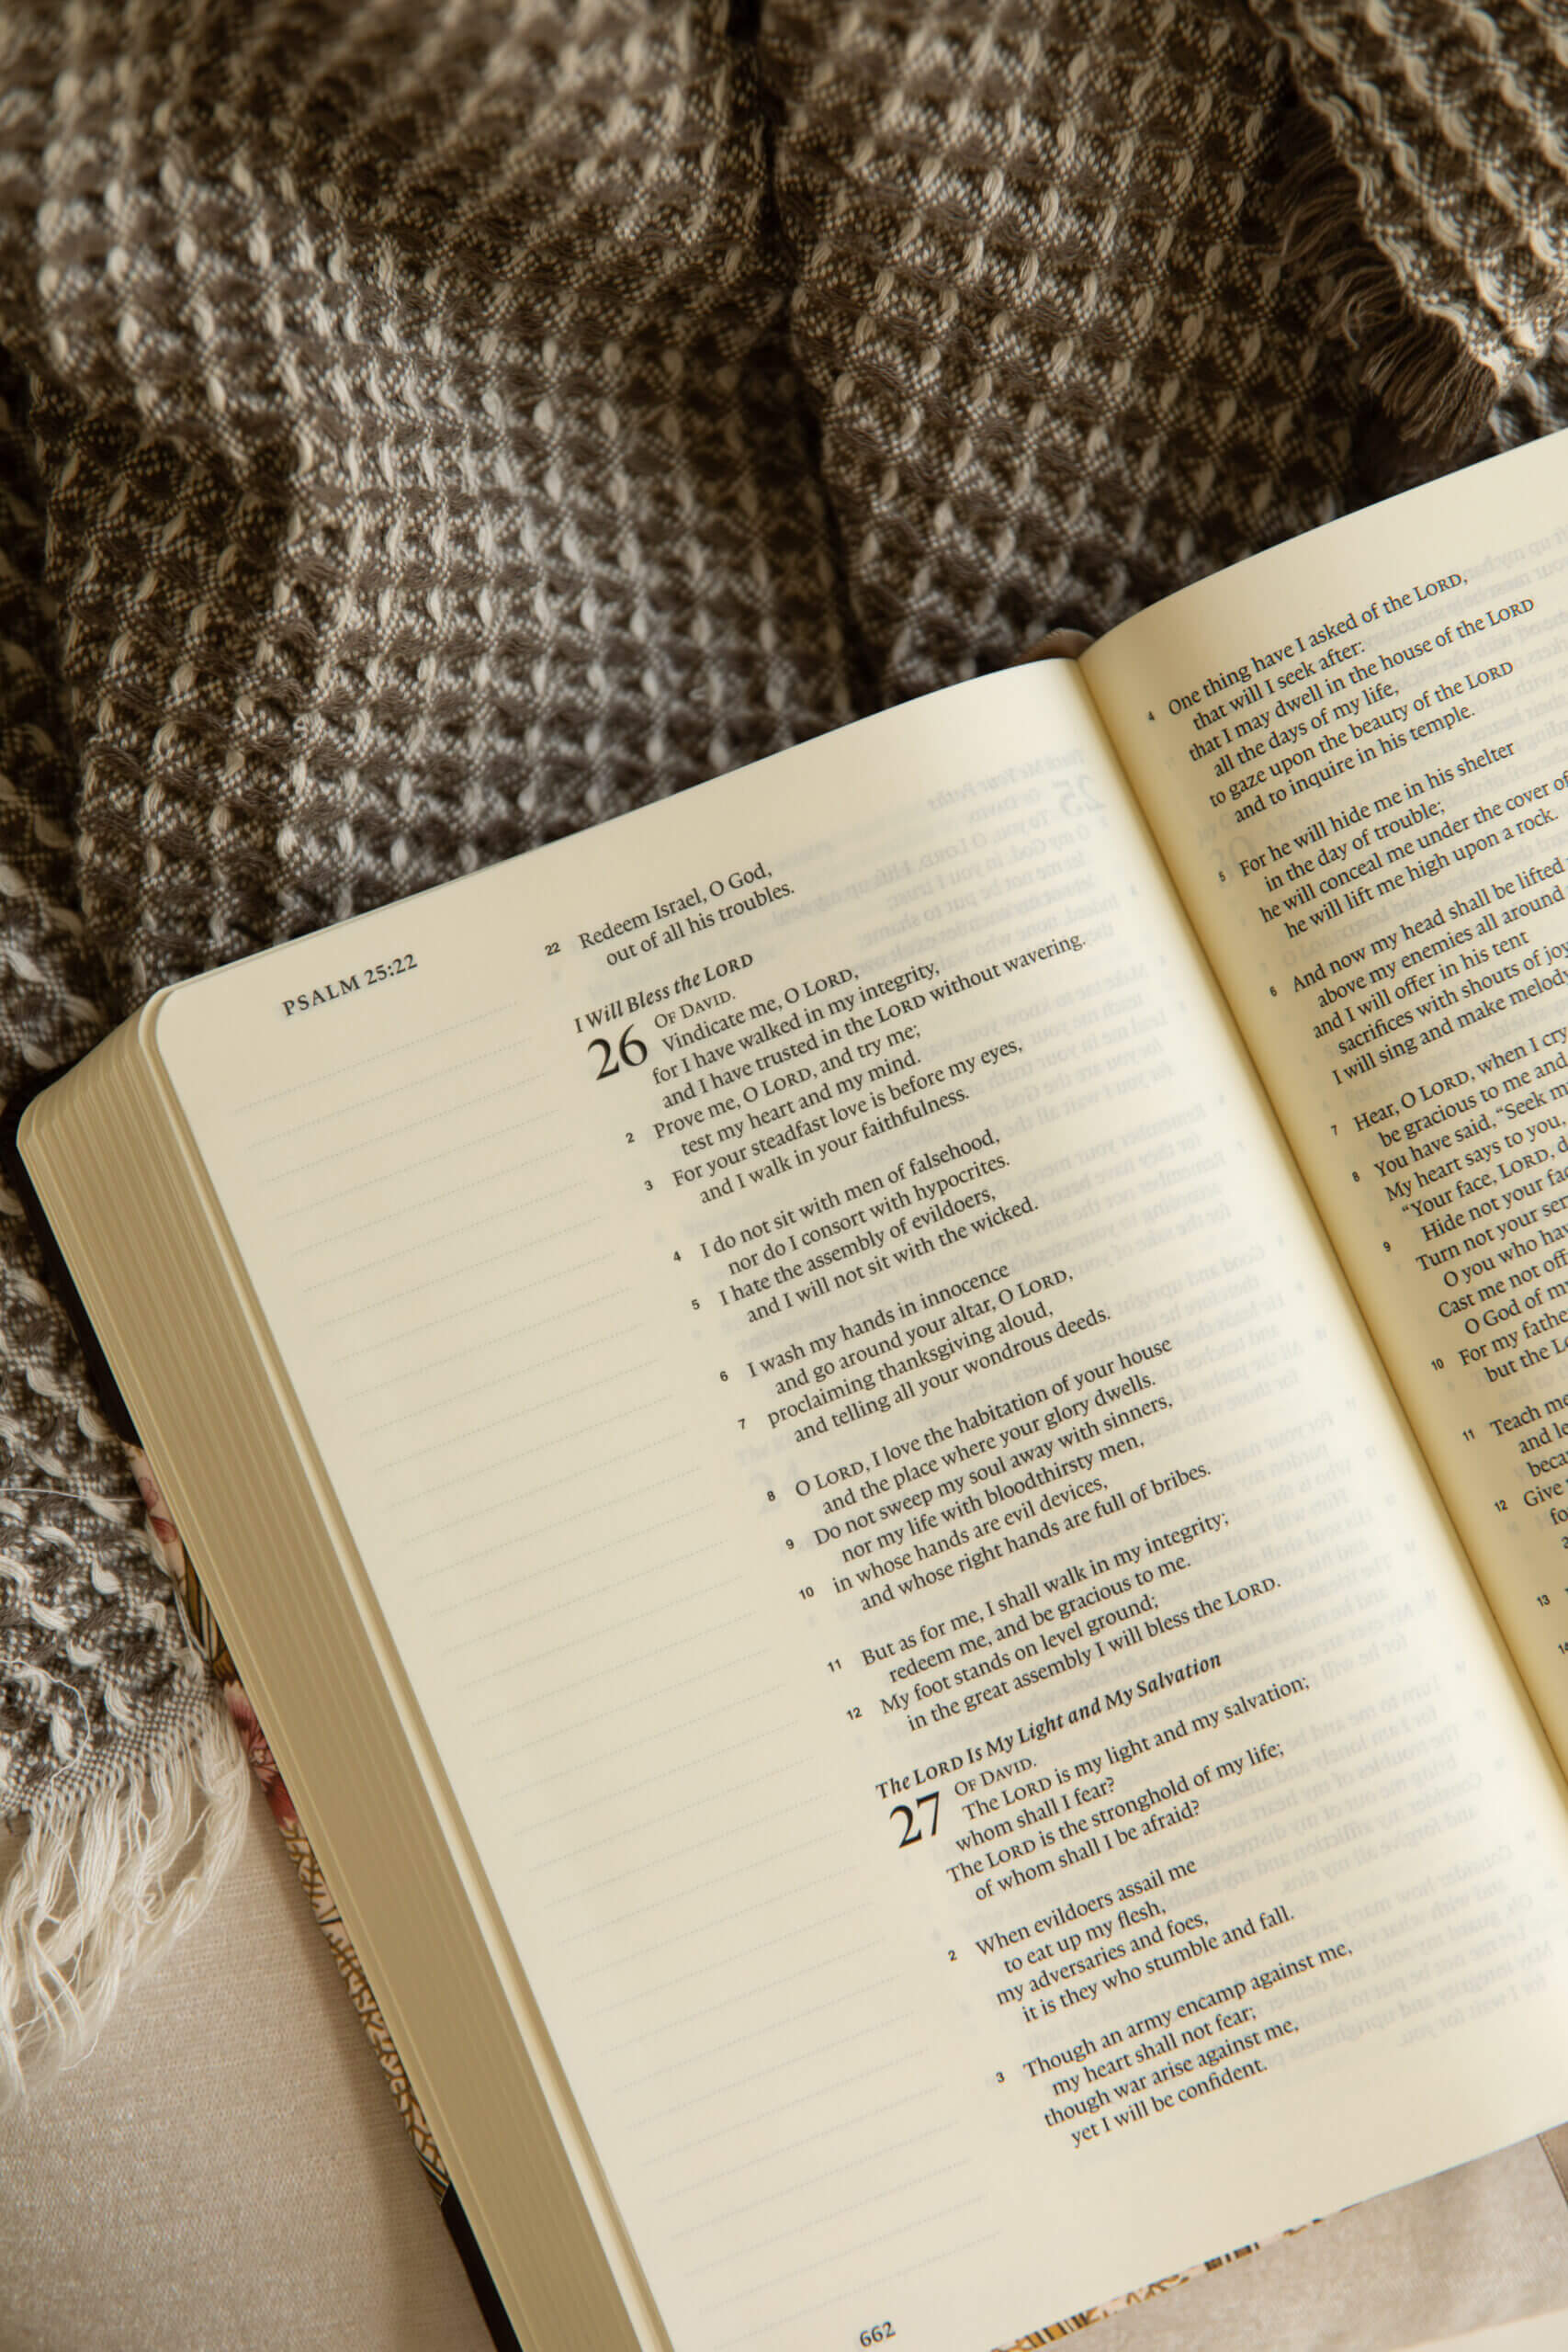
{"x":627,"y":1053}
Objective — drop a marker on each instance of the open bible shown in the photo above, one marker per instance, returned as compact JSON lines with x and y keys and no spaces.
{"x":887,"y":1449}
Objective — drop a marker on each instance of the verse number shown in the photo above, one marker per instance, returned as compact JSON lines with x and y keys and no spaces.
{"x":882,"y":2333}
{"x":398,"y":965}
{"x":913,"y":1833}
{"x":627,"y":1053}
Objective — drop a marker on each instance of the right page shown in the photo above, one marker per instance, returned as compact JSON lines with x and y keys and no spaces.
{"x":1353,"y":751}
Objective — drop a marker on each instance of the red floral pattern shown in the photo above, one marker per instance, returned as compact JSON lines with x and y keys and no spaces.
{"x":209,"y":1637}
{"x":261,"y":1755}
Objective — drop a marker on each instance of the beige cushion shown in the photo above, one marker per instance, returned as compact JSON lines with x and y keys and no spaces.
{"x":227,"y":2170}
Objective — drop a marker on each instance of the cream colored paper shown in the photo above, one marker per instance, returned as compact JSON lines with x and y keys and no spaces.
{"x":447,"y":1139}
{"x":1422,"y":1074}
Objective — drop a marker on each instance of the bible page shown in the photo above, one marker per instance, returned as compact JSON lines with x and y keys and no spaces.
{"x":961,"y":1694}
{"x":1354,"y":753}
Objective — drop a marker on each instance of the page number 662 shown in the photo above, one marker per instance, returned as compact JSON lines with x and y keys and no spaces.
{"x":880,"y":2333}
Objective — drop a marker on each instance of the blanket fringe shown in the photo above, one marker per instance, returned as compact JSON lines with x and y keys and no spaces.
{"x":1414,"y":362}
{"x":103,"y":1885}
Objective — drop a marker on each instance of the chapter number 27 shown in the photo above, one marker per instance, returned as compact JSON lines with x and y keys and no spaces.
{"x":913,"y":1833}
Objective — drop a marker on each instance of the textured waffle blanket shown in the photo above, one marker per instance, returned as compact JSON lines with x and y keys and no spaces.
{"x":425,"y":429}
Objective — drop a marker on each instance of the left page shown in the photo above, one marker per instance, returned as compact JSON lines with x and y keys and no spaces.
{"x":952,"y":1672}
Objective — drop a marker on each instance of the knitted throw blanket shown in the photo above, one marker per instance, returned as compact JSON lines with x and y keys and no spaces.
{"x":428,"y":428}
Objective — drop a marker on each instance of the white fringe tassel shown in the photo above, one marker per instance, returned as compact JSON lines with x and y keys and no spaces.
{"x":101,"y":1888}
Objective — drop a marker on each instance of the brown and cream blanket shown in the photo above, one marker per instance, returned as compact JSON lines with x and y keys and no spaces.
{"x":427,"y":426}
